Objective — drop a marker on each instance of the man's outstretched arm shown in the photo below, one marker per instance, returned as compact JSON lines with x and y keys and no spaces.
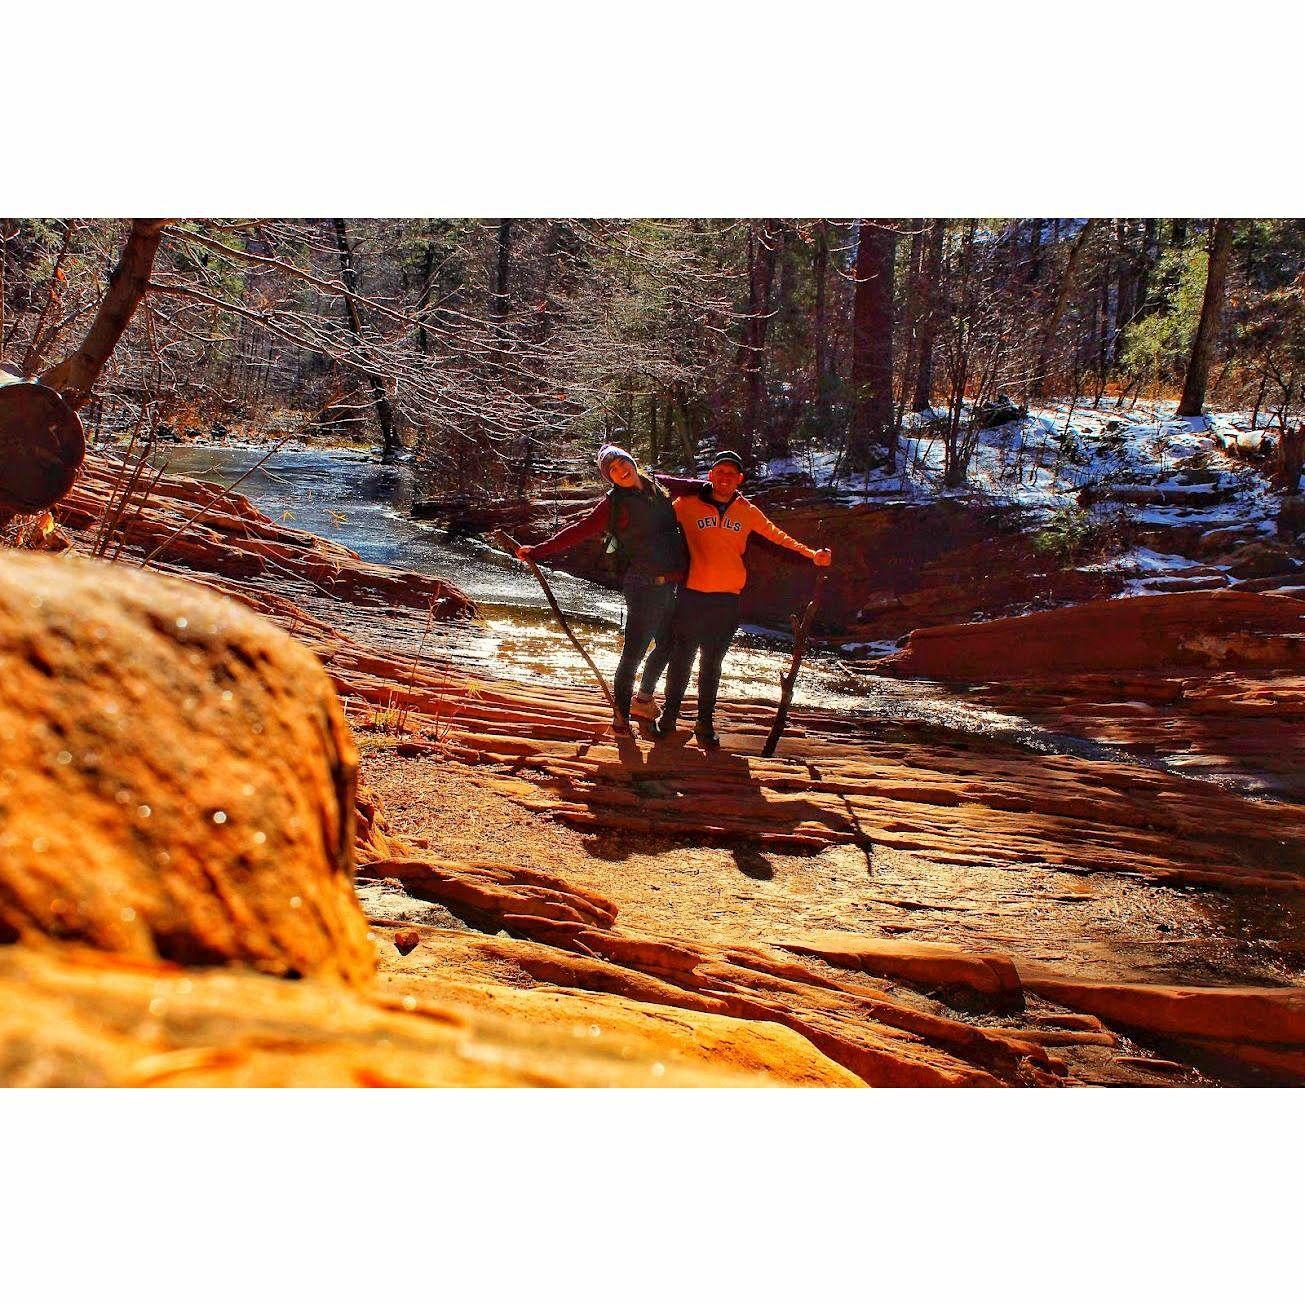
{"x":767,"y":529}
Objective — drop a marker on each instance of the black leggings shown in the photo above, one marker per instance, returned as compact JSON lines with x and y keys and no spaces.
{"x":703,"y":624}
{"x":648,"y":610}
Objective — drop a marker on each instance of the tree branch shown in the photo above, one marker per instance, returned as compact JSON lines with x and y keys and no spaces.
{"x":76,"y":375}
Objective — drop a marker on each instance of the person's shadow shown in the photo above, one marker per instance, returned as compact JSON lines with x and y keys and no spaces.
{"x":649,"y":799}
{"x":752,"y":861}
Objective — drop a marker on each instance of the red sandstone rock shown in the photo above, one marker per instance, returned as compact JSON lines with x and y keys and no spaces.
{"x":371,"y":840}
{"x":1154,"y":1065}
{"x":1073,"y":1023}
{"x":492,"y":893}
{"x":1213,"y":680}
{"x":406,"y":940}
{"x":70,"y":1018}
{"x":993,"y":979}
{"x":1262,"y":1027}
{"x":232,"y":538}
{"x":884,"y":1041}
{"x":1211,"y":631}
{"x":959,"y":805}
{"x":1272,"y":1016}
{"x":178,"y":780}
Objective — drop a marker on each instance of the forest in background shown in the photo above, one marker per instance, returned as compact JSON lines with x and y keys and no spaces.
{"x":495,"y":349}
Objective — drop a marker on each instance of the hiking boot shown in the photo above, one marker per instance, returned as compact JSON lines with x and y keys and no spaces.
{"x":707,"y":738}
{"x":620,"y":725}
{"x":644,"y":708}
{"x":663,"y":727}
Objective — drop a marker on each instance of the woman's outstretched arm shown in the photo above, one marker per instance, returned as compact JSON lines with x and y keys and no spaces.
{"x":593,"y":523}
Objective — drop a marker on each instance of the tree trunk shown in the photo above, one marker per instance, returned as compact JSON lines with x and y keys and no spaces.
{"x":686,"y":429}
{"x":5,"y":224}
{"x":1105,"y":330}
{"x":820,"y":325}
{"x":1035,"y":252}
{"x":1198,"y":366}
{"x":912,"y":310}
{"x":499,"y":303}
{"x":786,"y":291}
{"x":1125,"y":287}
{"x":423,"y":299}
{"x":1290,"y":460}
{"x":932,"y":273}
{"x":77,"y":374}
{"x":872,"y":344}
{"x":1150,"y":253}
{"x":1038,"y":387}
{"x":763,"y":245}
{"x":349,"y":276}
{"x":959,"y":356}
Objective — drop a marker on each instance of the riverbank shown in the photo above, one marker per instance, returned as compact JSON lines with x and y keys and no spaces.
{"x":884,"y":902}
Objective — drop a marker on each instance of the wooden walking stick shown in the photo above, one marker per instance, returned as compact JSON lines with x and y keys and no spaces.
{"x":506,"y":540}
{"x":801,"y":631}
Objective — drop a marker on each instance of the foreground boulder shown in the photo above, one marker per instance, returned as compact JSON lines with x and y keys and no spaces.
{"x":177,"y":782}
{"x":177,"y":809}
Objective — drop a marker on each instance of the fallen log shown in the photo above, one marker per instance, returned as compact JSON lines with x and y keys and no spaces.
{"x":41,"y":446}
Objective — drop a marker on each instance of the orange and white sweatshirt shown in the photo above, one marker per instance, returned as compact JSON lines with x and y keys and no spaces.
{"x":717,"y":535}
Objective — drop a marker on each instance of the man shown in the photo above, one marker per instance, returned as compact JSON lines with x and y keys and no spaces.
{"x":637,"y":513}
{"x":717,"y":523}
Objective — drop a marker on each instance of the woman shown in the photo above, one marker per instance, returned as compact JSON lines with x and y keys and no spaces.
{"x":637,"y":514}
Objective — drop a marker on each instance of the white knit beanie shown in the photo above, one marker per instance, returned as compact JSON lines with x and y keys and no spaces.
{"x":608,"y":454}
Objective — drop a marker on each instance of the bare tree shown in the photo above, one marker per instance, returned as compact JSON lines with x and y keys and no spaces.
{"x":500,"y":301}
{"x":929,"y":287}
{"x":764,"y":242}
{"x":511,"y":346}
{"x":1198,"y":366}
{"x":872,"y":344}
{"x":975,"y":348}
{"x":1038,"y":385}
{"x":76,"y":375}
{"x":349,"y":276}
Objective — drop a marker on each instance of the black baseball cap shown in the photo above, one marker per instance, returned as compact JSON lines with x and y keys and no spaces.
{"x":728,"y":455}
